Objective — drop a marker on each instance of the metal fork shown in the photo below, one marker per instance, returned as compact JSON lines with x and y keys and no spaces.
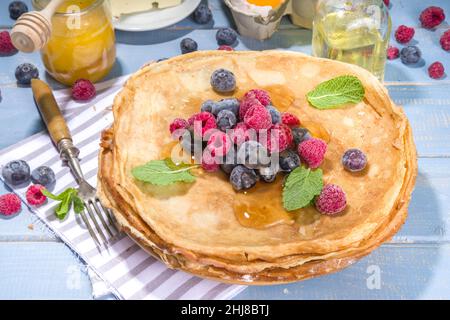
{"x":60,"y":134}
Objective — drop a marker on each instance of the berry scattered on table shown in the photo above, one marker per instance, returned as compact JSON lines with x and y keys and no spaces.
{"x":289,"y":119}
{"x":16,"y":172}
{"x":260,"y":95}
{"x":279,"y":138}
{"x":9,"y":204}
{"x":332,"y":200}
{"x":219,"y":143}
{"x":83,"y":90}
{"x":252,"y":154}
{"x":312,"y":151}
{"x":6,"y":45}
{"x":224,"y":47}
{"x":226,"y":120}
{"x":242,"y":178}
{"x":404,"y":34}
{"x":223,"y":81}
{"x":445,"y":40}
{"x":354,"y":160}
{"x":275,"y":114}
{"x":226,"y":36}
{"x":188,"y":45}
{"x":436,"y":70}
{"x":230,"y":104}
{"x":202,"y":122}
{"x":34,"y":195}
{"x":392,"y":53}
{"x":25,"y":72}
{"x":300,"y":134}
{"x":16,"y":9}
{"x":432,"y":17}
{"x":410,"y":55}
{"x":178,"y":123}
{"x":289,"y":160}
{"x":202,"y":14}
{"x":258,"y":117}
{"x":209,"y":160}
{"x":44,"y":176}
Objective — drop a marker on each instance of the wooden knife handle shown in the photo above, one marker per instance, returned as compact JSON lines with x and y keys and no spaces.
{"x":50,"y":112}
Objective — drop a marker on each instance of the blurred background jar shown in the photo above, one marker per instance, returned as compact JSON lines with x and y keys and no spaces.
{"x":356,"y":32}
{"x":82,"y":44}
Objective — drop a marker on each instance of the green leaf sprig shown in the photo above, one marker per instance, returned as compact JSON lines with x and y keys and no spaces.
{"x":67,"y":198}
{"x":163,"y":172}
{"x":336,"y":92}
{"x":300,"y":188}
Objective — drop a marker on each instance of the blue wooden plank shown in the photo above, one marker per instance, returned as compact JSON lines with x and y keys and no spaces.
{"x":41,"y":270}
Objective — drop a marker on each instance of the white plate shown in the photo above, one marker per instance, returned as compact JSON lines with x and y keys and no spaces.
{"x":156,"y":19}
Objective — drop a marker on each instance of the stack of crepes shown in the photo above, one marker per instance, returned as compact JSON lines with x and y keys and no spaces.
{"x":193,"y":226}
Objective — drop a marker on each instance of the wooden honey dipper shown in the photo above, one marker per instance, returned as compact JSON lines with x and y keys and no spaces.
{"x":33,"y":29}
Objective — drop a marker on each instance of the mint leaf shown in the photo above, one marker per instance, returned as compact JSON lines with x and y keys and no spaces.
{"x":300,"y":188}
{"x":157,"y":172}
{"x":78,"y":205}
{"x":336,"y":92}
{"x":66,"y":203}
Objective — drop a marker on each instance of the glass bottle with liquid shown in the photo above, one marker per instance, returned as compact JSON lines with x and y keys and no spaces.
{"x":355,"y":31}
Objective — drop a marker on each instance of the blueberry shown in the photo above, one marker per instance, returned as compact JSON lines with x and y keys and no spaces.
{"x":253,"y":155}
{"x":289,"y":160}
{"x":300,"y":135}
{"x":188,"y":45}
{"x":268,"y":174}
{"x":242,"y":178}
{"x":226,"y":36}
{"x":44,"y":176}
{"x":223,"y":81}
{"x":16,"y":172}
{"x":354,"y":160}
{"x":25,"y":72}
{"x":207,"y":106}
{"x":230,"y":161}
{"x":226,"y":120}
{"x":231,"y":104}
{"x":275,"y":114}
{"x":202,"y":14}
{"x":410,"y":55}
{"x":16,"y":9}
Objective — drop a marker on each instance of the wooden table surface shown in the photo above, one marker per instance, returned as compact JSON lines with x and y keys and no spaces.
{"x":414,"y":265}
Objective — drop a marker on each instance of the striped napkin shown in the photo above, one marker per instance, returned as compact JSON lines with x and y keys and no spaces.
{"x":127,"y":270}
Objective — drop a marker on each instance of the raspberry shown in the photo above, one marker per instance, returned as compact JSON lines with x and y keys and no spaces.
{"x":436,"y":70}
{"x":392,"y":53}
{"x":241,"y":133}
{"x":312,"y":151}
{"x":83,"y":90}
{"x":331,"y":200}
{"x":202,"y":122}
{"x":386,"y":2}
{"x":404,"y":34}
{"x":284,"y":135}
{"x":9,"y":204}
{"x":445,"y":40}
{"x":432,"y":17}
{"x":210,"y":162}
{"x":289,"y":119}
{"x":178,"y":124}
{"x":6,"y":46}
{"x":258,"y":117}
{"x":246,"y":104}
{"x":34,"y":195}
{"x":224,"y":47}
{"x":219,"y":143}
{"x":260,"y":95}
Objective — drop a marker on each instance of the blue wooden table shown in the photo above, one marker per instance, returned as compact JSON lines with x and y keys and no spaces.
{"x":415,"y":264}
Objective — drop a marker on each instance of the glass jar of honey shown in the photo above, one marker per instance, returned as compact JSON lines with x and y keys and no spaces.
{"x":82,"y":44}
